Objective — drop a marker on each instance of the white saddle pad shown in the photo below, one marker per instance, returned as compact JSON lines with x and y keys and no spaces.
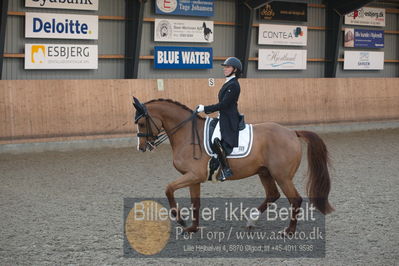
{"x":245,"y":139}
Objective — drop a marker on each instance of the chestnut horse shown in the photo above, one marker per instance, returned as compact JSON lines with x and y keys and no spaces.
{"x":275,"y":157}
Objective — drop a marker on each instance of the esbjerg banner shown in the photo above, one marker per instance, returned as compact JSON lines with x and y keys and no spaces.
{"x":178,"y":30}
{"x":279,"y":59}
{"x":64,"y":4}
{"x":368,"y":16}
{"x":61,"y":56}
{"x":363,"y":60}
{"x":273,"y":34}
{"x":61,"y":26}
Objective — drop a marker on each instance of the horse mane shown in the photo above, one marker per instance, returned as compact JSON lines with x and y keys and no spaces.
{"x":175,"y":103}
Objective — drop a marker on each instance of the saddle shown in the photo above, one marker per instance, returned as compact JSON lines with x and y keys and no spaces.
{"x":245,"y":137}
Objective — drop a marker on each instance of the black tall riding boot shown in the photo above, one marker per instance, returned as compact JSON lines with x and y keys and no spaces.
{"x":226,"y":171}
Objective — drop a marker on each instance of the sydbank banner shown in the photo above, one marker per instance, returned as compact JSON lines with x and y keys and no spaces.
{"x":368,"y":16}
{"x":177,"y":30}
{"x":274,"y":34}
{"x":64,"y":4}
{"x":363,"y":60}
{"x":61,"y":26}
{"x":60,"y":56}
{"x":172,"y":57}
{"x":204,"y":8}
{"x":361,"y":38}
{"x":274,"y":59}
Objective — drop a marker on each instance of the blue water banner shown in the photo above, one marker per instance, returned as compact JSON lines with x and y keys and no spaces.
{"x":173,"y":57}
{"x":202,"y":8}
{"x":361,"y":38}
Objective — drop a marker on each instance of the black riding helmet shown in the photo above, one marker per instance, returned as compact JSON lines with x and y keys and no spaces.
{"x":234,"y":62}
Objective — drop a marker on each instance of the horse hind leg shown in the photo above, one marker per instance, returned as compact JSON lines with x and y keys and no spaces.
{"x":271,"y":190}
{"x":295,"y":199}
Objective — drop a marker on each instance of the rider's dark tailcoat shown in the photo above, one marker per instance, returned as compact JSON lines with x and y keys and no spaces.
{"x":227,"y":107}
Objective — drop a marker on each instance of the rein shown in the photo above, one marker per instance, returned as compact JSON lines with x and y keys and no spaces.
{"x":163,"y":135}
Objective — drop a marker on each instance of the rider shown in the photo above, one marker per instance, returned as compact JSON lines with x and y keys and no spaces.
{"x":228,"y":113}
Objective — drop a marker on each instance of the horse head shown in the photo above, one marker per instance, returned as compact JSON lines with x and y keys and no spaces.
{"x":147,"y":128}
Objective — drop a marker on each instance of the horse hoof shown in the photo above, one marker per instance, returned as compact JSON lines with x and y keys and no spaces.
{"x":250,"y":227}
{"x":182,"y":223}
{"x":191,"y":229}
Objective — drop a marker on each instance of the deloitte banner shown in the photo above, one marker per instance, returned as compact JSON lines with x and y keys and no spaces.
{"x":204,"y":8}
{"x":60,"y":56}
{"x":177,"y":30}
{"x":64,"y":4}
{"x":282,"y":59}
{"x":61,"y":26}
{"x":364,"y":38}
{"x":368,"y":16}
{"x":363,"y":60}
{"x":171,"y":57}
{"x":274,"y":34}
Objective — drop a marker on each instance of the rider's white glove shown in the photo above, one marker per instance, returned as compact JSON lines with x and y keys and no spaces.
{"x":200,"y":108}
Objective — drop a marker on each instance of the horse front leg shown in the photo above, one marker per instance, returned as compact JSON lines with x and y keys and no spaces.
{"x":195,"y":192}
{"x":188,"y":179}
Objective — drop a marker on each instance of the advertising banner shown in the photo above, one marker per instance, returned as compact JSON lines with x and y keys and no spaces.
{"x":368,"y":16}
{"x":177,"y":30}
{"x":172,"y":57}
{"x":274,"y":34}
{"x":61,"y":26}
{"x":364,"y":38}
{"x":363,"y":60}
{"x":204,"y":8}
{"x":274,"y":59}
{"x":278,"y":10}
{"x":61,"y":56}
{"x":64,"y":4}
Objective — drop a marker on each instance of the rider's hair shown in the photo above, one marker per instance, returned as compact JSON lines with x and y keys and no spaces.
{"x":238,"y":73}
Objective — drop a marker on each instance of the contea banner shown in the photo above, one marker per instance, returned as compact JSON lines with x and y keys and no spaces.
{"x":168,"y":30}
{"x":274,"y":34}
{"x":203,"y":8}
{"x":64,"y":4}
{"x":361,"y":38}
{"x":363,"y":60}
{"x":61,"y":56}
{"x":274,"y":59}
{"x":172,"y":57}
{"x":61,"y":26}
{"x":368,"y":16}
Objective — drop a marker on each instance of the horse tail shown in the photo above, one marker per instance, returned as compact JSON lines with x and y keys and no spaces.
{"x":318,"y":185}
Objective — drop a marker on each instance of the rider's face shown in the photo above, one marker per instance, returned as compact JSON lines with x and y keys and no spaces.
{"x":227,"y":70}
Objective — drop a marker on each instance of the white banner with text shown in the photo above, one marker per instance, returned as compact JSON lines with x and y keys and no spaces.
{"x":61,"y":56}
{"x":275,"y":59}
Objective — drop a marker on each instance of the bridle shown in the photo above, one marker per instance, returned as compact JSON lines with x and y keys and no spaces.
{"x":162,"y":135}
{"x":157,"y":138}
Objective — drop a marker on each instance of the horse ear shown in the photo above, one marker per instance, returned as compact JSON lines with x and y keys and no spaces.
{"x":136,"y":101}
{"x":137,"y":104}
